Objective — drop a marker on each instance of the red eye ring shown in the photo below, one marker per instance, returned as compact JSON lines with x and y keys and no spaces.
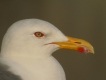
{"x":38,"y":34}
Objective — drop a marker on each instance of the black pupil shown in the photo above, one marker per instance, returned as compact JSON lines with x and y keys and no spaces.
{"x":39,"y":34}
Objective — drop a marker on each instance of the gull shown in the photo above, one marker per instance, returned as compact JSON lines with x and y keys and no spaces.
{"x":27,"y":47}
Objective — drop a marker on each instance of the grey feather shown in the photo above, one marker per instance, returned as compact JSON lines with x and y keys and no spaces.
{"x":7,"y":75}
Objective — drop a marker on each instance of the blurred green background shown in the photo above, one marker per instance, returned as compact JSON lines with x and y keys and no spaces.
{"x":84,"y":19}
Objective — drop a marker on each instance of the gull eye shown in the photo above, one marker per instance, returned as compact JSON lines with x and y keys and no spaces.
{"x":38,"y":34}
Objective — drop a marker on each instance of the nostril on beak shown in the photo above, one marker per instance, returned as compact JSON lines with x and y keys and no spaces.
{"x":77,"y":42}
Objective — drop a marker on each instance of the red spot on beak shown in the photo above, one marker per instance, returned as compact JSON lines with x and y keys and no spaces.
{"x":80,"y":49}
{"x":83,"y":49}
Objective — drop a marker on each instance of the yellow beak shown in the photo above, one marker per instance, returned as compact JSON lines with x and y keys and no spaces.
{"x":76,"y":44}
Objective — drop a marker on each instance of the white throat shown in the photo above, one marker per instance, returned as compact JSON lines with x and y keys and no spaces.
{"x":36,"y":69}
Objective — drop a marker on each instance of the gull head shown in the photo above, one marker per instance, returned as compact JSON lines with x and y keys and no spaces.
{"x":38,"y":38}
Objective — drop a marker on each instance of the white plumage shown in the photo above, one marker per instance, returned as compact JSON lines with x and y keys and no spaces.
{"x":27,"y":55}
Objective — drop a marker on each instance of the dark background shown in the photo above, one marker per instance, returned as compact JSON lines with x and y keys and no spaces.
{"x":84,"y":19}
